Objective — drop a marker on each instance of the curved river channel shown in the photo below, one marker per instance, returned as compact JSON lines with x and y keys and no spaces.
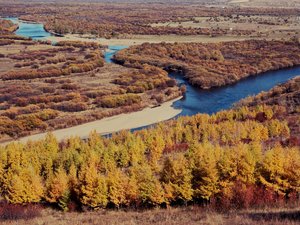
{"x":195,"y":100}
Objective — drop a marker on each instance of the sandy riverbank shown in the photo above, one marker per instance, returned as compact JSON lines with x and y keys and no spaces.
{"x":140,"y":39}
{"x":132,"y":120}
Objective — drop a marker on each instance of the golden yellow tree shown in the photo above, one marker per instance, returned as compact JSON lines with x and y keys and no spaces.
{"x":24,"y":187}
{"x":205,"y":172}
{"x":58,"y":189}
{"x":176,"y":175}
{"x":116,"y":182}
{"x":92,"y":187}
{"x":272,"y":172}
{"x":149,"y":188}
{"x":292,"y":169}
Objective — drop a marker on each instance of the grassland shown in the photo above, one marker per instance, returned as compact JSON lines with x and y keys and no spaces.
{"x":174,"y":216}
{"x":266,"y":3}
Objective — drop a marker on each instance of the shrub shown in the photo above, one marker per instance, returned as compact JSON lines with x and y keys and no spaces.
{"x":71,"y":106}
{"x":171,"y":83}
{"x":118,"y":100}
{"x":17,"y":212}
{"x":69,"y":87}
{"x":159,"y":98}
{"x":183,"y":89}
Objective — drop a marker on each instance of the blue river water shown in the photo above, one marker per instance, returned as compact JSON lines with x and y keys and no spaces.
{"x":32,"y":30}
{"x":217,"y":99}
{"x":195,"y":100}
{"x":111,"y":51}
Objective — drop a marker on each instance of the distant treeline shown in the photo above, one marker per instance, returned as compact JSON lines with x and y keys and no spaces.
{"x":109,"y":19}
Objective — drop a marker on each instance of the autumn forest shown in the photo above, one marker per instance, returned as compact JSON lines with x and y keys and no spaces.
{"x":103,"y":118}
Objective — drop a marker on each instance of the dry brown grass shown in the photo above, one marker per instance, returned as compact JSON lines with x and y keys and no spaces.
{"x":173,"y":216}
{"x":266,"y":3}
{"x":265,"y":26}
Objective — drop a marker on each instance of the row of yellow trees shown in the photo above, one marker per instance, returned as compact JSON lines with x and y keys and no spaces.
{"x":200,"y":158}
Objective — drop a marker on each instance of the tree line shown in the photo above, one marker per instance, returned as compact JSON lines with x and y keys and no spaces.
{"x":231,"y":158}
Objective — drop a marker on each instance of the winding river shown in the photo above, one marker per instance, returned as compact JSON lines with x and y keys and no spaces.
{"x":217,"y":99}
{"x":195,"y":100}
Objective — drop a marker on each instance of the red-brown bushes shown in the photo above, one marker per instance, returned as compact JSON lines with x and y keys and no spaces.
{"x":32,"y":55}
{"x":95,"y":94}
{"x":144,"y":79}
{"x":6,"y":42}
{"x":30,"y":122}
{"x":7,"y":27}
{"x":70,"y":106}
{"x":79,"y":44}
{"x":32,"y":74}
{"x":159,"y":98}
{"x":118,"y":100}
{"x":69,"y":87}
{"x":39,"y":61}
{"x":15,"y":111}
{"x":47,"y":89}
{"x":51,"y":81}
{"x":20,"y":101}
{"x":17,"y":212}
{"x":212,"y":65}
{"x":9,"y":127}
{"x":242,"y":196}
{"x":56,"y":102}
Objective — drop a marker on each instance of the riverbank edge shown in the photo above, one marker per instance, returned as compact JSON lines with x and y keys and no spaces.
{"x":146,"y":117}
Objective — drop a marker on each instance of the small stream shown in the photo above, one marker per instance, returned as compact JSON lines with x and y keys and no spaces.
{"x":195,"y":100}
{"x":31,"y":30}
{"x":111,"y":51}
